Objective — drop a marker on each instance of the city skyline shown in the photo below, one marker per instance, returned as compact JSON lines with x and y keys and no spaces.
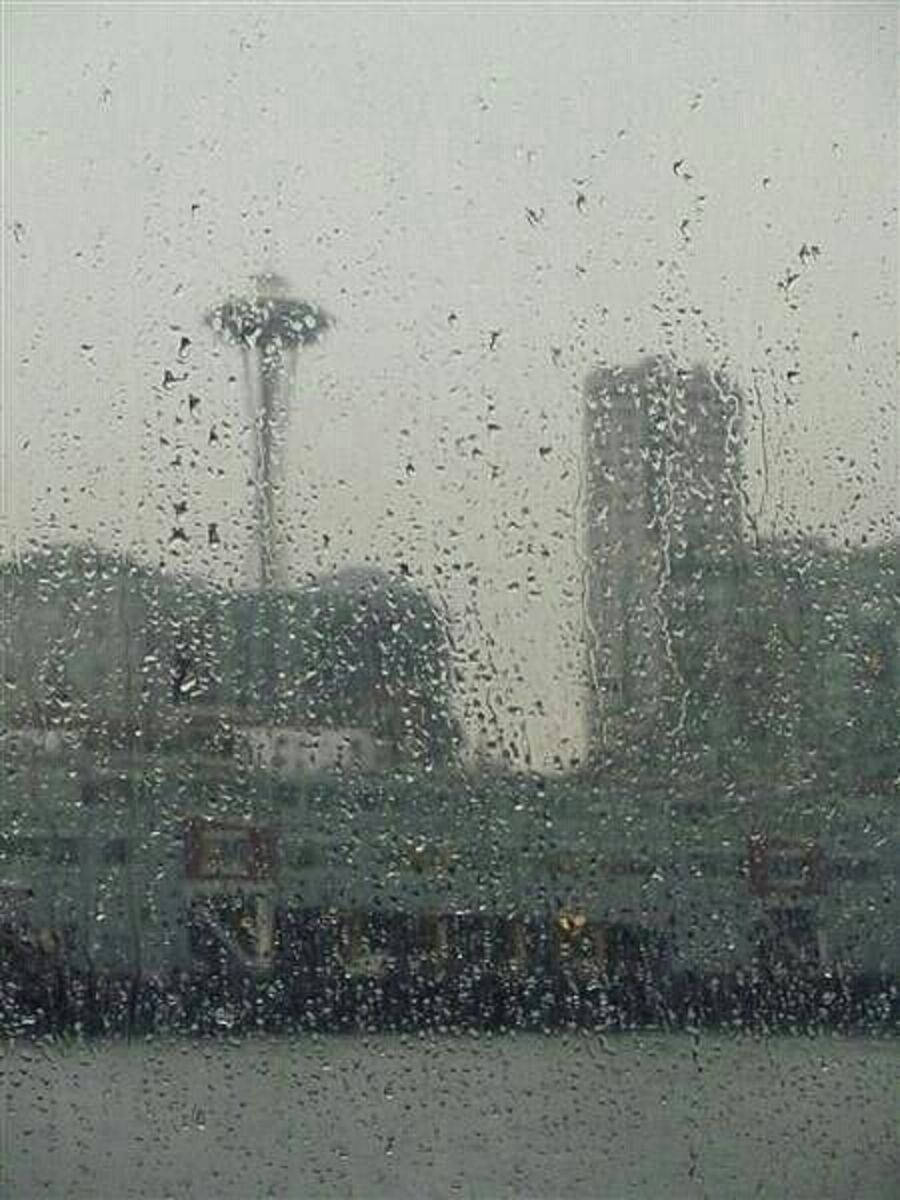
{"x":487,"y":224}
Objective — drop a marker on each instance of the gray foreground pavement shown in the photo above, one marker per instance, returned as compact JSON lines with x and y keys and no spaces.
{"x":639,"y":1115}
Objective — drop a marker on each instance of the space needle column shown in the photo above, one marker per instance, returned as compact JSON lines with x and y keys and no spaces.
{"x":268,"y":328}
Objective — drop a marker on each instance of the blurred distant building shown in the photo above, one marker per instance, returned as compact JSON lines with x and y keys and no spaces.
{"x":663,"y":485}
{"x":292,"y":753}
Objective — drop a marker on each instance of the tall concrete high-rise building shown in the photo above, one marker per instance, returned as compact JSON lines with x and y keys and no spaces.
{"x":663,"y":492}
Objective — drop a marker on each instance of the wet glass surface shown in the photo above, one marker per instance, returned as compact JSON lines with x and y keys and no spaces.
{"x":449,"y":631}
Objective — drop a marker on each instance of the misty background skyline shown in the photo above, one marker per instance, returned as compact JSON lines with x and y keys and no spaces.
{"x":490,"y":202}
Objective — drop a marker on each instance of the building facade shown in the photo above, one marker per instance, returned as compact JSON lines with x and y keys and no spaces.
{"x":663,"y":490}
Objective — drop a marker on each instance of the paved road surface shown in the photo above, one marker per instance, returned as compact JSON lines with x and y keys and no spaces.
{"x":635,"y":1116}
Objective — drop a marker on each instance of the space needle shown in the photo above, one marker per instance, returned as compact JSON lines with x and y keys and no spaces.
{"x":269,"y":328}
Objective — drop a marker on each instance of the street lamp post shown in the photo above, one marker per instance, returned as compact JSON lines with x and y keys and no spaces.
{"x":268,"y":327}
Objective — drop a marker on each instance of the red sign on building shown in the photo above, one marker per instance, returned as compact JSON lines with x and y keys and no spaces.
{"x":785,"y":867}
{"x":229,"y":851}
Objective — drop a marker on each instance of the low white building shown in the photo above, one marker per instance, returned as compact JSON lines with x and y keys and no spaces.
{"x":291,"y":752}
{"x":34,"y":739}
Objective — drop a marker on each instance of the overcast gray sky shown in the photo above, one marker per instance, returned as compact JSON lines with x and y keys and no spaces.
{"x":384,"y":158}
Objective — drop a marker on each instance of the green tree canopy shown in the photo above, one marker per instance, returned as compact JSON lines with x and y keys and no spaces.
{"x":94,"y":640}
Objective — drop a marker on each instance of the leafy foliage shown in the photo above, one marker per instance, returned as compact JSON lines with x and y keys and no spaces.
{"x":95,"y":640}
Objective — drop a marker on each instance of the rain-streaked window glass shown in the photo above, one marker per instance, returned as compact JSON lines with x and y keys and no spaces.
{"x":449,"y":691}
